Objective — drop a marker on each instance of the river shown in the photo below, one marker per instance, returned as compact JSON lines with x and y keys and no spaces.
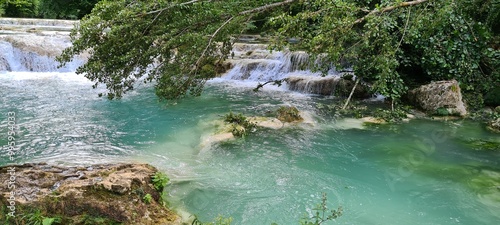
{"x":419,"y":172}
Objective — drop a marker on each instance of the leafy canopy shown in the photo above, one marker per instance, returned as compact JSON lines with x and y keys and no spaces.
{"x":175,"y":43}
{"x":393,"y":44}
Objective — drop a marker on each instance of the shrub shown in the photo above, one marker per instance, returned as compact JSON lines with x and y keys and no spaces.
{"x":159,"y":181}
{"x":240,"y":124}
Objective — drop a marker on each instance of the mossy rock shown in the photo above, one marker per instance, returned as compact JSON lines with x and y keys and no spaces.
{"x":288,"y":114}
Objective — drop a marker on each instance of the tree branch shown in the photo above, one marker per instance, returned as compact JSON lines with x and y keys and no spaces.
{"x":171,"y":6}
{"x":389,"y":8}
{"x":266,"y":7}
{"x":250,"y":11}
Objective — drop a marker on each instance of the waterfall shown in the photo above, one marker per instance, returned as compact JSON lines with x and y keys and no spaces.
{"x":34,"y":54}
{"x":254,"y":62}
{"x":33,"y":44}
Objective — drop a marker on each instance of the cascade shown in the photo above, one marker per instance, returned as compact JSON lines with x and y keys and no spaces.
{"x":33,"y":44}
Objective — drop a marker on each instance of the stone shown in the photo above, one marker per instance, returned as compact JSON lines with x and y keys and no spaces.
{"x":328,"y":85}
{"x":438,"y":97}
{"x":373,"y":120}
{"x":494,"y":125}
{"x":266,"y":122}
{"x":110,"y":191}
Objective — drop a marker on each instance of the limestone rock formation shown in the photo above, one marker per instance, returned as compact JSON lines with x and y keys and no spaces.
{"x":112,"y":192}
{"x":328,"y":85}
{"x":437,"y":97}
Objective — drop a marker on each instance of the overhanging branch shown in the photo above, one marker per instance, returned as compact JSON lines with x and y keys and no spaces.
{"x":389,"y":8}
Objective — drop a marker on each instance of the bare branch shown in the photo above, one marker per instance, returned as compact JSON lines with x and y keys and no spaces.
{"x":266,"y":7}
{"x":389,"y":8}
{"x":211,"y":39}
{"x":171,"y":6}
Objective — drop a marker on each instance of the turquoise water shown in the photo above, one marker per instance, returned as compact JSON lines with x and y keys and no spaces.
{"x":421,"y":172}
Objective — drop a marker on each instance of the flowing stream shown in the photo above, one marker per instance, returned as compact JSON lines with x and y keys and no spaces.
{"x":420,"y":172}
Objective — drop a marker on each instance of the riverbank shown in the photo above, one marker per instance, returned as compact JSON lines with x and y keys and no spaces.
{"x":97,"y":194}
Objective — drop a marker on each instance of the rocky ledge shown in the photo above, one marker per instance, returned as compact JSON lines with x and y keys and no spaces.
{"x":97,"y":194}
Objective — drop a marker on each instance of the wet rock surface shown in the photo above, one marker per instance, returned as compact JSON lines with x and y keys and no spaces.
{"x":113,"y":192}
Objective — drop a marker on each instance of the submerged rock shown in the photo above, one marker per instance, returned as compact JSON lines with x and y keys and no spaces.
{"x":78,"y":195}
{"x":442,"y":97}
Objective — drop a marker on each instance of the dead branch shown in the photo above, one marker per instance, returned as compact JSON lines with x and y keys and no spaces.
{"x":389,"y":8}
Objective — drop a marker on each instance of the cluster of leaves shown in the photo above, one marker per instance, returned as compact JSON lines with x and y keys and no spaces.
{"x":288,"y":114}
{"x":51,"y":9}
{"x":170,"y":42}
{"x":159,"y":181}
{"x":395,"y":115}
{"x":19,"y":8}
{"x":240,"y":124}
{"x":354,"y":109}
{"x":399,"y":44}
{"x":37,"y":218}
{"x":147,"y":198}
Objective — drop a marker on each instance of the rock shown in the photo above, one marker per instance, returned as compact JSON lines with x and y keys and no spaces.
{"x":113,"y":192}
{"x":373,"y":120}
{"x":438,"y":97}
{"x":267,"y":122}
{"x":328,"y":85}
{"x":494,"y":125}
{"x":4,"y":64}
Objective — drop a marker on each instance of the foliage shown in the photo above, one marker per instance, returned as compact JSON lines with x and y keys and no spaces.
{"x":392,"y":44}
{"x":492,"y":98}
{"x":65,"y":9}
{"x":159,"y":180}
{"x":321,"y":214}
{"x":147,"y":198}
{"x":395,"y":44}
{"x":37,"y":218}
{"x":240,"y":124}
{"x":354,"y":109}
{"x":19,"y":8}
{"x":288,"y":114}
{"x":395,"y":115}
{"x":168,"y":41}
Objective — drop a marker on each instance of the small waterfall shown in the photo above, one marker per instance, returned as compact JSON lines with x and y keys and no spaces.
{"x":34,"y":53}
{"x":313,"y":84}
{"x":254,"y":62}
{"x":33,"y":44}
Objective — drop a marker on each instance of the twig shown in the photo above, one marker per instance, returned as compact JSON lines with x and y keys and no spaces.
{"x":389,"y":8}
